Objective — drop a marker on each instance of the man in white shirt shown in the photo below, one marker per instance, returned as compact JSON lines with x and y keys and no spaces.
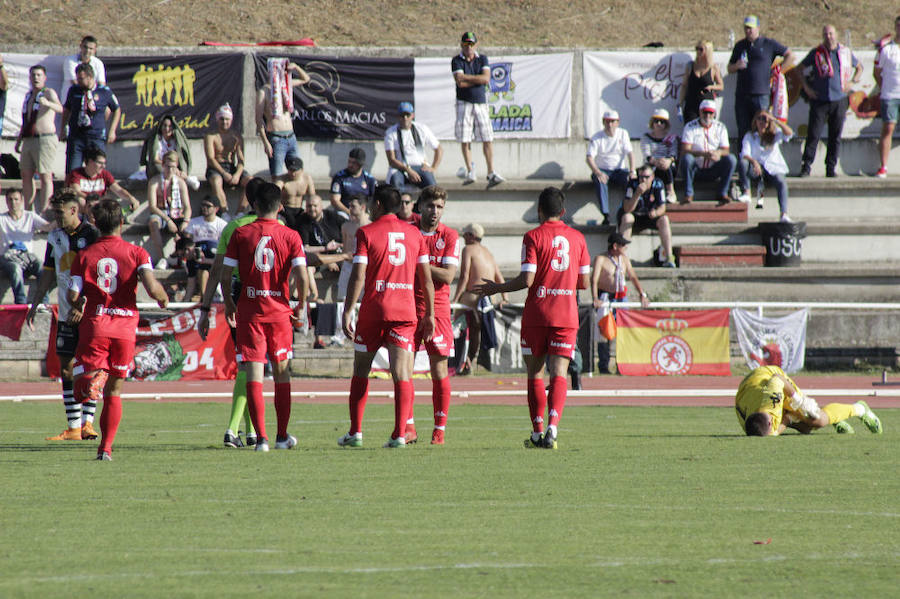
{"x":87,"y":54}
{"x":404,"y":144}
{"x":887,"y":75}
{"x":704,"y":153}
{"x":607,"y":152}
{"x":17,"y":228}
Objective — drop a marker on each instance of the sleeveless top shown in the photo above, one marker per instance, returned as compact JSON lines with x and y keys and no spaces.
{"x":695,"y":94}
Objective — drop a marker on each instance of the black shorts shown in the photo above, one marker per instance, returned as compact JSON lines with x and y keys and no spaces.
{"x":226,"y":166}
{"x":291,"y":217}
{"x":66,"y":339}
{"x":642,"y":222}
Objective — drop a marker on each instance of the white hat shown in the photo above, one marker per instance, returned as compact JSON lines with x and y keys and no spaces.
{"x":610,"y":115}
{"x":660,"y":113}
{"x":708,"y":106}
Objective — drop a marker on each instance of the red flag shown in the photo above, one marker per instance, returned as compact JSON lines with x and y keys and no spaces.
{"x":12,"y":317}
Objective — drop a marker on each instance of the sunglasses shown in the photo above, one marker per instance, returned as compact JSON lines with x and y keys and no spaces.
{"x":660,"y":122}
{"x":699,"y":48}
{"x":645,"y":176}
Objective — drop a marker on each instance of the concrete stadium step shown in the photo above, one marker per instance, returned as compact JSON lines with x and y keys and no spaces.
{"x":720,"y":255}
{"x":707,"y":212}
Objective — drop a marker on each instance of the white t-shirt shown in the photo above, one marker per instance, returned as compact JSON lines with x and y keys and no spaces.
{"x":610,"y":153}
{"x":202,"y":230}
{"x":19,"y":231}
{"x":770,"y":158}
{"x":412,"y":155}
{"x":889,"y":63}
{"x":69,"y":65}
{"x":705,"y":139}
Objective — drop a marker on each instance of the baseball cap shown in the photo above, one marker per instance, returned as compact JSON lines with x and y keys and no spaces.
{"x":660,"y":113}
{"x":610,"y":115}
{"x":475,"y":229}
{"x":293,"y":163}
{"x":618,"y":238}
{"x":469,"y":38}
{"x":708,"y":106}
{"x":358,"y":154}
{"x":406,"y":107}
{"x":751,"y":21}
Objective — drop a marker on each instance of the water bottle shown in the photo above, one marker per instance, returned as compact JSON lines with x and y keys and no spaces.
{"x":730,"y":39}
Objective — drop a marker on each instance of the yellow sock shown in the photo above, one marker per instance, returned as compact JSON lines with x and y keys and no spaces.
{"x":838,"y":412}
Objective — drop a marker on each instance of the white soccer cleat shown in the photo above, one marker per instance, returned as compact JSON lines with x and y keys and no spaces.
{"x":287,"y":443}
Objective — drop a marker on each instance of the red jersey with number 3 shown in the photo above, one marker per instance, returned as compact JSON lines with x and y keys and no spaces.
{"x":264,"y":253}
{"x":443,"y":251}
{"x":556,"y":254}
{"x":390,"y":248}
{"x":106,"y":274}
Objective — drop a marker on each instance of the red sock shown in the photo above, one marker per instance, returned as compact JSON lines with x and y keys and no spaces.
{"x":109,"y":422}
{"x":359,"y":393}
{"x":410,"y":415}
{"x":403,"y":395}
{"x":440,"y":398}
{"x":283,"y":407}
{"x":537,"y":402}
{"x":558,"y":391}
{"x":257,"y":408}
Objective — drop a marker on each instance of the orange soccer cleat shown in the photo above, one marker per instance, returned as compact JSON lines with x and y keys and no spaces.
{"x":70,"y":434}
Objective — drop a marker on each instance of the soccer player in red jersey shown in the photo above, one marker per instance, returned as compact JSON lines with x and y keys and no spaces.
{"x":555,"y":263}
{"x":443,"y":255}
{"x":390,"y":257}
{"x":266,"y":253}
{"x":102,"y":293}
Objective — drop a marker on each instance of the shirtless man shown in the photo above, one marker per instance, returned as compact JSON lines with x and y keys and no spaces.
{"x":273,"y":117}
{"x":294,"y":190}
{"x":225,"y":159}
{"x":359,"y":217}
{"x":476,"y":263}
{"x":37,"y":138}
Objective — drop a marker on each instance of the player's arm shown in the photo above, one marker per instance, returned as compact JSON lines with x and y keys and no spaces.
{"x":488,"y":287}
{"x":424,"y":276}
{"x":44,"y":285}
{"x":215,"y":274}
{"x":443,"y":274}
{"x":300,"y":280}
{"x":354,"y":289}
{"x":73,"y":293}
{"x":154,"y":288}
{"x":225,"y":282}
{"x":629,"y":272}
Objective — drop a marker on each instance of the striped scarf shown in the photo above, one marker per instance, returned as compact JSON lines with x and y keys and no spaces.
{"x":826,"y":69}
{"x":282,"y":97}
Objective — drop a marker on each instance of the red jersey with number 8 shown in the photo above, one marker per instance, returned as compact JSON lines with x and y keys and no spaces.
{"x":106,"y":274}
{"x":390,"y":248}
{"x":264,"y":252}
{"x":556,"y":254}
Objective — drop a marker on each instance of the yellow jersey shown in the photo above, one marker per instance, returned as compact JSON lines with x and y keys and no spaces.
{"x":762,"y":391}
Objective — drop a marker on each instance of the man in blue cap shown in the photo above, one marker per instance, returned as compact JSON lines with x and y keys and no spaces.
{"x":404,"y":145}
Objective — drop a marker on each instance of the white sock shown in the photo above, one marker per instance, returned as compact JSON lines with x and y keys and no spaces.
{"x":858,"y":410}
{"x":552,"y":429}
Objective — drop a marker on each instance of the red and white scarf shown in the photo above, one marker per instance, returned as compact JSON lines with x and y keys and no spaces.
{"x":779,"y":94}
{"x":282,"y":97}
{"x":826,"y":69}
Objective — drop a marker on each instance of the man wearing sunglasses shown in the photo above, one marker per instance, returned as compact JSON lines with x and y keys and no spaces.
{"x":645,"y":208}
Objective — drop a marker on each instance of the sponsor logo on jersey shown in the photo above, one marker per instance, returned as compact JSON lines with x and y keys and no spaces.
{"x":114,"y":311}
{"x":544,"y":292}
{"x":253,"y":292}
{"x":382,"y":285}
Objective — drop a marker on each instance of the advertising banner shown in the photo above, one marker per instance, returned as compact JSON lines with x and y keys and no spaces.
{"x":779,"y":341}
{"x":652,"y":342}
{"x":528,"y":97}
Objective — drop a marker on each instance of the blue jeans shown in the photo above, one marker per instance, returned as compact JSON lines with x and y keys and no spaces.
{"x":745,"y":176}
{"x":721,"y":170}
{"x":618,"y":176}
{"x":77,"y":146}
{"x":16,"y":265}
{"x":399,"y":180}
{"x":745,"y":107}
{"x":283,"y":147}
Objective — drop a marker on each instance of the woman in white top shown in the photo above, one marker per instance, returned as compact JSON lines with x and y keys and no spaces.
{"x":761,"y":159}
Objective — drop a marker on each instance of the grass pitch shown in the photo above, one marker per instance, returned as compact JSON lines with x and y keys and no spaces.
{"x":636,"y":501}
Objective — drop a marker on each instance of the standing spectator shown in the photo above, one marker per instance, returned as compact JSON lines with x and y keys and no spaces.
{"x":704,"y":154}
{"x":204,"y":231}
{"x":320,"y":231}
{"x":351,"y":181}
{"x":268,"y":256}
{"x":887,"y":75}
{"x":274,"y":114}
{"x":390,"y":257}
{"x":827,"y":87}
{"x":103,"y":294}
{"x":761,"y":158}
{"x":701,"y":81}
{"x":471,"y":72}
{"x":170,"y":206}
{"x":17,"y":229}
{"x":404,"y":145}
{"x":607,"y":152}
{"x":168,"y":137}
{"x":752,"y":59}
{"x":660,"y":149}
{"x":645,"y":208}
{"x":63,"y":243}
{"x":84,"y":117}
{"x":37,"y":137}
{"x":225,"y":159}
{"x":294,"y":190}
{"x":87,"y":54}
{"x":93,"y":178}
{"x":555,"y":264}
{"x":4,"y":87}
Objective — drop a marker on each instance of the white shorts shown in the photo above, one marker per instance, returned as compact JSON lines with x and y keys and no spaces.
{"x":472,"y":122}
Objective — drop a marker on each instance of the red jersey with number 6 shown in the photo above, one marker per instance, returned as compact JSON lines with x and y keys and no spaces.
{"x":390,"y":248}
{"x":556,"y":254}
{"x":264,"y":253}
{"x":106,"y":274}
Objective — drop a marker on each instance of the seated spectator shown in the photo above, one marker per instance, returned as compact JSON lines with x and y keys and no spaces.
{"x":352,"y":180}
{"x":225,"y":159}
{"x":660,"y":148}
{"x":404,"y":145}
{"x":607,"y":152}
{"x":93,"y":178}
{"x":84,"y":117}
{"x":320,"y":231}
{"x":704,"y":153}
{"x":645,"y":208}
{"x":761,"y":159}
{"x":170,"y":206}
{"x":17,"y":228}
{"x":203,"y":232}
{"x":168,"y":137}
{"x":702,"y":80}
{"x":294,"y":189}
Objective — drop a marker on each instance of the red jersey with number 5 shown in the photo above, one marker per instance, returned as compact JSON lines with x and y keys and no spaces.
{"x":556,"y":254}
{"x":264,"y":253}
{"x":106,"y":274}
{"x":390,"y":248}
